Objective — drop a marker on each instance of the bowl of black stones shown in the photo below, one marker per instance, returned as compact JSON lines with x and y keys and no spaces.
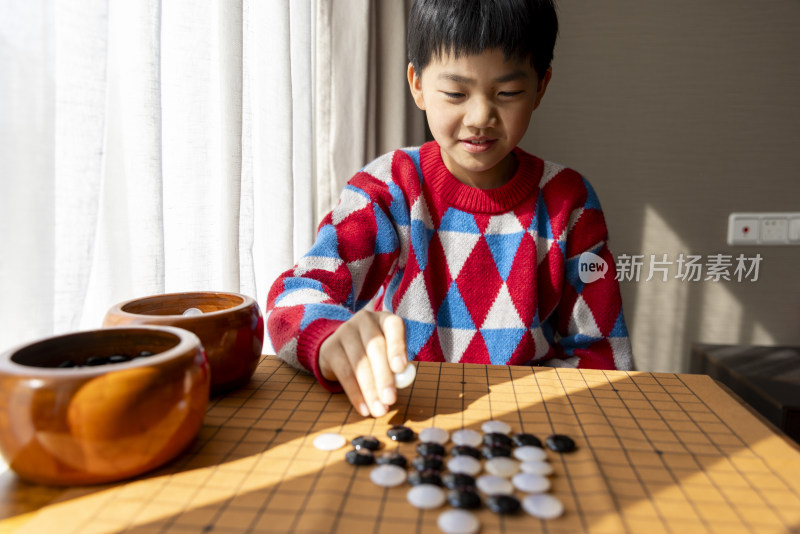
{"x":229,"y":325}
{"x":101,"y":405}
{"x":494,"y":468}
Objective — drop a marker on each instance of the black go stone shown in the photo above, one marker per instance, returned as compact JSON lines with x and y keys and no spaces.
{"x":118,"y":358}
{"x":455,"y":481}
{"x":560,"y":443}
{"x":464,"y":498}
{"x":96,"y":360}
{"x":494,"y":439}
{"x":466,"y":450}
{"x":392,"y":458}
{"x":430,"y":448}
{"x":495,"y":451}
{"x":366,"y":442}
{"x":526,"y":440}
{"x":503,"y":504}
{"x":428,"y":463}
{"x":144,"y":354}
{"x":400,"y":433}
{"x":360,"y":457}
{"x":66,"y":364}
{"x":428,"y":476}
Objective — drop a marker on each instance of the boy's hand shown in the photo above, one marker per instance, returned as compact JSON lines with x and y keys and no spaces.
{"x":363,"y":354}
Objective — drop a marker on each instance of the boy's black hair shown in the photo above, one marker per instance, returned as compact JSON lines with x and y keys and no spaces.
{"x":522,"y":29}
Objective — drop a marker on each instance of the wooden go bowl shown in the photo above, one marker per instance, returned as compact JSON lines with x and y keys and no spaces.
{"x":95,"y":424}
{"x":231,"y":329}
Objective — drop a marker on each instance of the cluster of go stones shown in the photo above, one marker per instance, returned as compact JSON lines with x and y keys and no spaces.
{"x":482,"y":469}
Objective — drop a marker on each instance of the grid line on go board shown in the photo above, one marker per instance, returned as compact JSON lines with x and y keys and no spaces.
{"x":257,"y":477}
{"x":286,"y":382}
{"x":679,"y":466}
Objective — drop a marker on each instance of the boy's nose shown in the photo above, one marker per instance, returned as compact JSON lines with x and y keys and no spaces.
{"x":480,"y":114}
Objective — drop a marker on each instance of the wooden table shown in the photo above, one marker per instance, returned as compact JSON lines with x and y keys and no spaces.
{"x":657,"y":452}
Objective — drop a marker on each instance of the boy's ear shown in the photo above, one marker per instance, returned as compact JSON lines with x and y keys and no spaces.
{"x":415,"y":85}
{"x":542,"y":86}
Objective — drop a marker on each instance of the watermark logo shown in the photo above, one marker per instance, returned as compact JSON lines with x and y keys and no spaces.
{"x":591,"y":267}
{"x":688,"y":268}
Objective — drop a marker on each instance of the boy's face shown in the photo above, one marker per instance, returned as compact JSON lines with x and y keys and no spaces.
{"x":478,"y":109}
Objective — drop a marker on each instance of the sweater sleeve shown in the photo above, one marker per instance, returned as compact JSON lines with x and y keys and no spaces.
{"x":355,"y":248}
{"x":590,"y":325}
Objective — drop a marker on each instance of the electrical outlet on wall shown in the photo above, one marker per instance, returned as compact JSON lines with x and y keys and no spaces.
{"x":764,"y":229}
{"x":794,"y":230}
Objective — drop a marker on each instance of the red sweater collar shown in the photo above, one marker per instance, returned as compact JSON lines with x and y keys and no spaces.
{"x":472,"y":199}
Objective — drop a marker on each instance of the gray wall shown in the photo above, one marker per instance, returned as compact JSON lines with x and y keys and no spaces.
{"x":680,"y":113}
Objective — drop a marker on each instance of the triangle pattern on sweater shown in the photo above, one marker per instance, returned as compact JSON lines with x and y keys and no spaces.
{"x":550,"y":171}
{"x":326,"y":245}
{"x":503,"y":313}
{"x":582,"y":321}
{"x":417,"y":334}
{"x":458,"y":221}
{"x":311,"y":263}
{"x":351,"y":200}
{"x":398,"y":208}
{"x":301,"y":296}
{"x":421,"y":231}
{"x":381,"y":168}
{"x":454,"y":341}
{"x":503,"y":248}
{"x":619,"y":329}
{"x":415,"y":304}
{"x":457,"y":247}
{"x":453,"y":312}
{"x":385,"y":237}
{"x":506,"y":223}
{"x":541,"y":346}
{"x":358,"y":273}
{"x":501,"y":343}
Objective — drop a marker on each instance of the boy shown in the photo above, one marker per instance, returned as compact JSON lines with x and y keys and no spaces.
{"x":469,"y":246}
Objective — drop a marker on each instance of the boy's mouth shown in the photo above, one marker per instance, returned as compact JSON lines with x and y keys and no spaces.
{"x":477,"y":144}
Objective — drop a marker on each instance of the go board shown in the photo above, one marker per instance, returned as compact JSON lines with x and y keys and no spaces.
{"x":656,"y":453}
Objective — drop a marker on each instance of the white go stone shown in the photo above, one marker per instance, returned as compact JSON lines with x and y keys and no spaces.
{"x":543,"y":506}
{"x":494,"y":485}
{"x":404,"y":378}
{"x":496,"y":426}
{"x":388,"y":475}
{"x":469,"y":437}
{"x":530,"y":483}
{"x":464,"y":464}
{"x":529,"y":453}
{"x":458,"y":522}
{"x":426,"y":496}
{"x":502,"y":467}
{"x":192,"y":312}
{"x":536,"y":468}
{"x":329,"y":441}
{"x":434,"y":434}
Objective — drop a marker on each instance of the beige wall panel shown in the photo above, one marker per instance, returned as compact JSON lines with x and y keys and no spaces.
{"x":680,"y":113}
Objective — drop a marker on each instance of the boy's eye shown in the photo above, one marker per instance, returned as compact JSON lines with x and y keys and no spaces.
{"x":510,"y":93}
{"x":453,"y":95}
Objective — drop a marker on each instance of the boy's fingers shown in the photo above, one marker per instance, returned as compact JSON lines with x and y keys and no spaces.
{"x":346,"y":377}
{"x":366,"y":382}
{"x":373,"y":340}
{"x":350,"y":339}
{"x":394,"y":331}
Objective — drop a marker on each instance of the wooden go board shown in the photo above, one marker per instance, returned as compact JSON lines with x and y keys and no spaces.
{"x":656,"y":453}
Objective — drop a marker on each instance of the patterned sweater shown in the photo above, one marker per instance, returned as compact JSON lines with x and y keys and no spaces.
{"x":479,"y":276}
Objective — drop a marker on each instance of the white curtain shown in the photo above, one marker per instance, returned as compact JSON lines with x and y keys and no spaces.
{"x":173,"y":145}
